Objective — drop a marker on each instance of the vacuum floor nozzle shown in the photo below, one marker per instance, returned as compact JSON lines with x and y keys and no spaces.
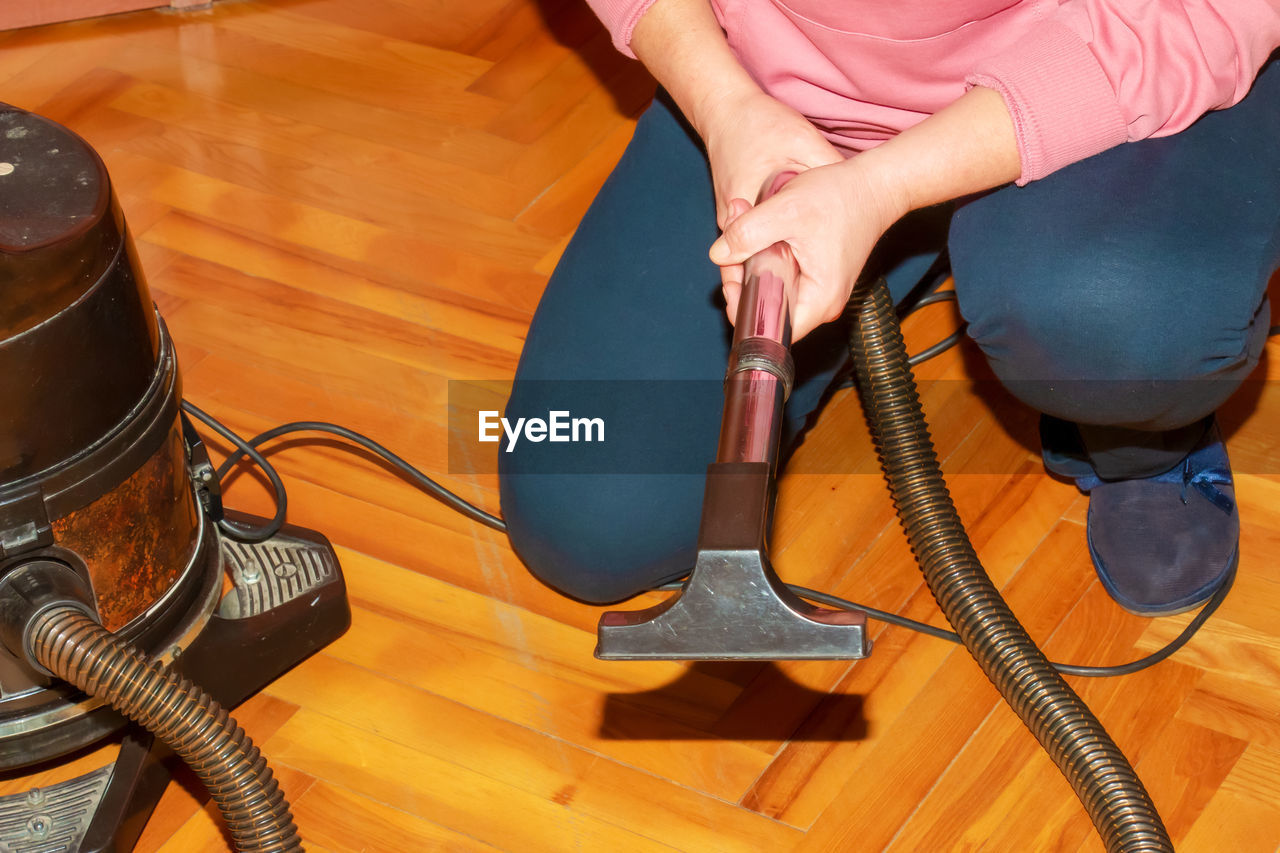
{"x":768,"y":621}
{"x":733,"y":606}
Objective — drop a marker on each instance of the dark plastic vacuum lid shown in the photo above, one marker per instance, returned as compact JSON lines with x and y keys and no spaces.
{"x":78,"y":335}
{"x":50,"y":182}
{"x":58,"y":233}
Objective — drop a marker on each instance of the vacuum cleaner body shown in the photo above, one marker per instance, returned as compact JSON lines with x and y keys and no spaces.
{"x":93,"y":464}
{"x":91,"y":450}
{"x":100,"y":473}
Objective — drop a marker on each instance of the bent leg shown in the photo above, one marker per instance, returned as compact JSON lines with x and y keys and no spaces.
{"x":631,"y":329}
{"x":1125,"y":297}
{"x":1126,"y":293}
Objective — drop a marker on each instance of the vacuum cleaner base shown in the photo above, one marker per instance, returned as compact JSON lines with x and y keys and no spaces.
{"x":287,"y":600}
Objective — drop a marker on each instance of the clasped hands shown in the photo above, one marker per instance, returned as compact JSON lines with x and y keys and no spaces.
{"x":831,"y":214}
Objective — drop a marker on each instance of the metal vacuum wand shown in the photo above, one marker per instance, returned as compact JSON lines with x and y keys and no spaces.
{"x":733,"y":606}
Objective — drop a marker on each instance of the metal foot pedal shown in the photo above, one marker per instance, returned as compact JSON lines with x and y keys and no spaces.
{"x":52,"y":818}
{"x":733,"y":607}
{"x":288,"y":601}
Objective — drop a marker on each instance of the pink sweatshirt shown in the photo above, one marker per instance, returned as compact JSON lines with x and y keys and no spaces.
{"x":1078,"y":76}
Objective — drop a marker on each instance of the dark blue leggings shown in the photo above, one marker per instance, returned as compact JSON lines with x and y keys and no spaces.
{"x":1123,"y":297}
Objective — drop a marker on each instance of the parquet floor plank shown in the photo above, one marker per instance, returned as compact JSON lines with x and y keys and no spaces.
{"x":433,"y":308}
{"x":497,"y":291}
{"x":558,"y":210}
{"x":529,"y":63}
{"x":1243,"y":813}
{"x":436,"y":23}
{"x":1221,"y":704}
{"x":876,"y":780}
{"x":506,"y":32}
{"x":333,"y":816}
{"x":551,"y":768}
{"x":504,"y":682}
{"x":168,"y":65}
{"x":195,"y":121}
{"x":490,"y":810}
{"x":416,"y":80}
{"x":1001,"y":783}
{"x":1184,"y":767}
{"x":436,"y":70}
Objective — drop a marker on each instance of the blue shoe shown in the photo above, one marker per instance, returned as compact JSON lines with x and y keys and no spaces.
{"x":1164,"y":544}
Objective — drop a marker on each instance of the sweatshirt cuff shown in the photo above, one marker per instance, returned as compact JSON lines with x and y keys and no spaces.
{"x":620,"y":18}
{"x":1063,"y":106}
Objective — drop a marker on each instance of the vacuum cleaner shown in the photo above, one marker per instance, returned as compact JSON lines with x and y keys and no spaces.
{"x":123,"y":583}
{"x":733,"y":606}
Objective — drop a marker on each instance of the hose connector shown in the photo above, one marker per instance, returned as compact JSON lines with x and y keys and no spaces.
{"x":29,"y":590}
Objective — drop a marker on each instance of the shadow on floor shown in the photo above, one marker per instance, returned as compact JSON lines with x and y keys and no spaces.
{"x":770,"y":706}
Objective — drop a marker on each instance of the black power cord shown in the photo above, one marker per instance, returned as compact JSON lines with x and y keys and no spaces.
{"x":1210,"y":606}
{"x":946,"y":343}
{"x":249,"y":449}
{"x":238,"y":531}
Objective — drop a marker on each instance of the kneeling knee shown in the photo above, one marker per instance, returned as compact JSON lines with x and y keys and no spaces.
{"x":1080,"y":348}
{"x":602,"y":538}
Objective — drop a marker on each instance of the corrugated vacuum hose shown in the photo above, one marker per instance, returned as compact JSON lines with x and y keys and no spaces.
{"x":1102,"y":777}
{"x":80,"y":651}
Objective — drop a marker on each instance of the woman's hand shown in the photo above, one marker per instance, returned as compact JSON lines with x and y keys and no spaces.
{"x":750,"y":140}
{"x":831,"y":217}
{"x":750,"y":137}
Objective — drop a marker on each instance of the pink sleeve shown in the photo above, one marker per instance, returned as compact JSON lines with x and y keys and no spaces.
{"x":620,"y":17}
{"x":1096,"y":73}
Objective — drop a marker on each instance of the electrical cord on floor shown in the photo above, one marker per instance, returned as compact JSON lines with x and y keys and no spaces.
{"x":416,"y":477}
{"x":1210,"y":606}
{"x":249,"y":448}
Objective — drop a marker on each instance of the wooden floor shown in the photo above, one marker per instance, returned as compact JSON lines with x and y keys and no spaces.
{"x":340,"y":206}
